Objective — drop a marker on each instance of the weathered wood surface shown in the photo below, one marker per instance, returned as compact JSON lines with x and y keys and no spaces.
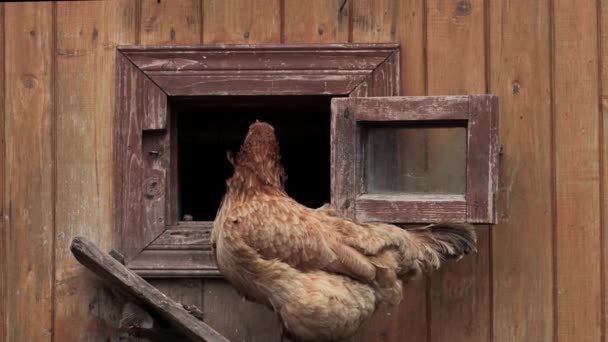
{"x":268,"y":57}
{"x":4,"y":265}
{"x":237,"y":83}
{"x":119,"y":276}
{"x":29,"y":206}
{"x":482,"y":160}
{"x":408,"y":108}
{"x":129,"y":162}
{"x":603,"y":119}
{"x":138,"y":323}
{"x":531,"y":46}
{"x":577,"y":174}
{"x":145,"y":161}
{"x":170,"y":22}
{"x":325,"y":22}
{"x":420,"y":209}
{"x":522,"y":266}
{"x":85,"y":37}
{"x":480,"y":112}
{"x":459,"y":26}
{"x":241,"y":21}
{"x":343,"y":131}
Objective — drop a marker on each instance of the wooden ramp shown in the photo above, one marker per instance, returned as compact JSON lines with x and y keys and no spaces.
{"x":151,"y":312}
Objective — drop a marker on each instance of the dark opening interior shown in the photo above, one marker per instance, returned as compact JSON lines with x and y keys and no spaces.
{"x":209,"y":126}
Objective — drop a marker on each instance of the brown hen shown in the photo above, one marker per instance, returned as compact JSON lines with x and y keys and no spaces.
{"x":323,"y":275}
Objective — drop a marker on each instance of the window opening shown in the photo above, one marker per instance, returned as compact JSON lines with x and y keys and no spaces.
{"x":211,"y":125}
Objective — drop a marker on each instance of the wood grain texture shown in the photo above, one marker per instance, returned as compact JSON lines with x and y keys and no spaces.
{"x":29,"y":170}
{"x":304,"y":83}
{"x":401,"y":22}
{"x":482,"y":159}
{"x":241,"y":21}
{"x":393,"y":108}
{"x":520,"y":75}
{"x":459,"y":26}
{"x":183,"y":291}
{"x":130,"y":237}
{"x":170,"y":22}
{"x":342,"y":155}
{"x":576,"y":118}
{"x":419,"y":209}
{"x":4,"y":264}
{"x":172,"y":263}
{"x":324,"y":22}
{"x":236,"y":318}
{"x":85,"y":38}
{"x":603,"y":65}
{"x":120,"y":277}
{"x":223,"y":57}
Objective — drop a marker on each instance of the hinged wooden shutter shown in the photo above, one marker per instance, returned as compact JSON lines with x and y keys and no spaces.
{"x":349,"y":195}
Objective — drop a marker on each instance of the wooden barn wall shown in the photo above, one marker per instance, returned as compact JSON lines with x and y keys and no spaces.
{"x":539,"y":275}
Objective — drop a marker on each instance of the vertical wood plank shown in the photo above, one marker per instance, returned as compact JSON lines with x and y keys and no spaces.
{"x":460,"y":293}
{"x":29,"y":169}
{"x":603,"y":64}
{"x":174,"y":22}
{"x":86,"y":36}
{"x":231,"y":22}
{"x":235,"y":317}
{"x":184,"y":291}
{"x":241,"y":21}
{"x":3,"y":226}
{"x":170,"y":22}
{"x":576,"y":117}
{"x":520,"y":77}
{"x":402,"y":22}
{"x":324,"y":22}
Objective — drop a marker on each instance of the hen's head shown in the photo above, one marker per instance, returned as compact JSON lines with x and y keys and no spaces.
{"x":260,"y":154}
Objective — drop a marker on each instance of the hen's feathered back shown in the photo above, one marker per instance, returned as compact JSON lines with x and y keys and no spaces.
{"x":322,"y":274}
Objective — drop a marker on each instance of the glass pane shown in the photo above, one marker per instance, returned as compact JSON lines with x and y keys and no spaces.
{"x":418,"y":157}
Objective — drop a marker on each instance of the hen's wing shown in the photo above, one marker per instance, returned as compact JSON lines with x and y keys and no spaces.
{"x":280,"y":228}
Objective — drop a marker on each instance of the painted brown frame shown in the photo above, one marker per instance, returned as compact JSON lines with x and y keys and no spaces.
{"x":477,"y":205}
{"x":146,"y":227}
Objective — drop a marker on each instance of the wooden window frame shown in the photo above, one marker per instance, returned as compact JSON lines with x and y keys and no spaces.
{"x":146,"y":228}
{"x":477,"y":205}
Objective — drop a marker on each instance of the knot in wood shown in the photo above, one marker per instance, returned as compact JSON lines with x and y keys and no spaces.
{"x":152,"y":187}
{"x":516,"y":87}
{"x":346,"y":114}
{"x":463,"y":8}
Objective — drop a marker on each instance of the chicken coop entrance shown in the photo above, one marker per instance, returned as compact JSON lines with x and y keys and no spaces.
{"x":210,"y":126}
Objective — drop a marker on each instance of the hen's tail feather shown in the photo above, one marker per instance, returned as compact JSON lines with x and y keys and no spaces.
{"x":445,"y":241}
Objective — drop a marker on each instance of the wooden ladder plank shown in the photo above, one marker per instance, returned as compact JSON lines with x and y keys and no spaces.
{"x":119,"y":276}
